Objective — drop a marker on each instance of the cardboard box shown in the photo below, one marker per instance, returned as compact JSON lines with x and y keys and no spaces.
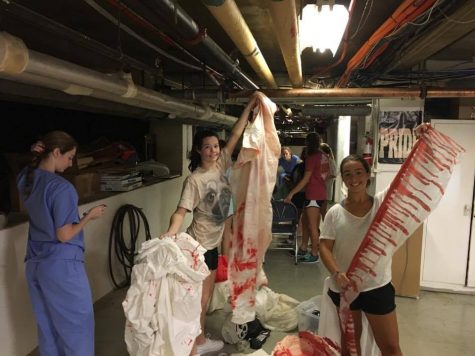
{"x":86,"y":183}
{"x":406,"y":266}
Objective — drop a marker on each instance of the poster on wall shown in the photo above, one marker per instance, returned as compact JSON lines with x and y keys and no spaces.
{"x":396,"y":135}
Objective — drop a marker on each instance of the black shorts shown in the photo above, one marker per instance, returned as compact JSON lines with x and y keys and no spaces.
{"x":211,"y":259}
{"x":298,"y":200}
{"x":379,"y":301}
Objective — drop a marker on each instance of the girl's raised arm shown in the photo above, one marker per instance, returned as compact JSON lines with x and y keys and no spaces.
{"x":241,"y":123}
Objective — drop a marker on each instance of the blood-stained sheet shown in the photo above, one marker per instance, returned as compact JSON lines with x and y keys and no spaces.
{"x":252,"y":181}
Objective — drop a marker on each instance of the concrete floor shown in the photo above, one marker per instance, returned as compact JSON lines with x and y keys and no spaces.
{"x":435,"y":324}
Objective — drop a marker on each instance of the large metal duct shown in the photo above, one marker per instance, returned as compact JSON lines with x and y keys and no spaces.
{"x":284,"y":17}
{"x":230,"y":18}
{"x":18,"y":63}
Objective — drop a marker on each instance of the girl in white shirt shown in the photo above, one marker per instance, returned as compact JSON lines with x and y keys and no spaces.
{"x":344,"y":228}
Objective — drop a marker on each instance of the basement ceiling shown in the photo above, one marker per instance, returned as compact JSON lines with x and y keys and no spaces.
{"x":177,"y":47}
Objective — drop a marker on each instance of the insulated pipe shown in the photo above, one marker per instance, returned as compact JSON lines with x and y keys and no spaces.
{"x":19,"y":63}
{"x":186,"y":28}
{"x":362,"y":93}
{"x":230,"y":18}
{"x":340,"y":110}
{"x":13,"y":9}
{"x":284,"y":17}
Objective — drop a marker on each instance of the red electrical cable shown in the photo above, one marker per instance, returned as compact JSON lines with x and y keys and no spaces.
{"x":405,"y":13}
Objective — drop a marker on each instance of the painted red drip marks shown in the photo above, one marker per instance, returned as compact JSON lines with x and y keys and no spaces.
{"x":293,"y":32}
{"x":436,"y":164}
{"x":239,"y":289}
{"x":306,"y":344}
{"x":411,"y":185}
{"x":422,"y":164}
{"x":239,"y":265}
{"x":415,"y":191}
{"x":400,"y":209}
{"x":195,"y":257}
{"x":405,"y":191}
{"x":379,"y":234}
{"x":401,"y":200}
{"x":365,"y":257}
{"x":396,"y":223}
{"x":252,"y":253}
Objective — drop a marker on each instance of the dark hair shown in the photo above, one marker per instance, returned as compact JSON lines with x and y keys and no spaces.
{"x":194,"y":156}
{"x":303,"y":155}
{"x":312,"y":142}
{"x":50,"y":141}
{"x":325,"y":147}
{"x":356,"y":158}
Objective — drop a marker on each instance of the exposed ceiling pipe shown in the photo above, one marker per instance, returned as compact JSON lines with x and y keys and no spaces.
{"x":19,"y":63}
{"x":16,"y":91}
{"x":12,"y":9}
{"x":430,"y":92}
{"x":211,"y":96}
{"x":348,"y":110}
{"x":143,"y":23}
{"x":230,"y":18}
{"x":177,"y":18}
{"x":284,"y":17}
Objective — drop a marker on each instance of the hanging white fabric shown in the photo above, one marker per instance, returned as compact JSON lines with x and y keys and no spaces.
{"x":252,"y":181}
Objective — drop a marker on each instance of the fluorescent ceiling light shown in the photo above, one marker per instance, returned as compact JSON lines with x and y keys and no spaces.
{"x":322,"y":29}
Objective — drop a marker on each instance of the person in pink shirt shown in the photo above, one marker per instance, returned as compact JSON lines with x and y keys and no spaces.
{"x":316,"y":170}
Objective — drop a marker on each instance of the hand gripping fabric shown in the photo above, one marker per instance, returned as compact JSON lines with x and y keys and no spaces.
{"x":413,"y":194}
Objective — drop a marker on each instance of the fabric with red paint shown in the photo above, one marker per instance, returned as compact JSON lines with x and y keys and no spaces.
{"x":306,"y":344}
{"x":252,"y":181}
{"x":163,"y":304}
{"x":412,"y":195}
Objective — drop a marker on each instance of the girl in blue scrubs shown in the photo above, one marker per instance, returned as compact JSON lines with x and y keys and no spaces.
{"x":57,"y":281}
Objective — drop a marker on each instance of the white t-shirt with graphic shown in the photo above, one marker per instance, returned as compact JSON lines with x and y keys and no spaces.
{"x":207,"y":194}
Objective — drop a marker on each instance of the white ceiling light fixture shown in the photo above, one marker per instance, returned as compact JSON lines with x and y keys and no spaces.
{"x":322,"y":29}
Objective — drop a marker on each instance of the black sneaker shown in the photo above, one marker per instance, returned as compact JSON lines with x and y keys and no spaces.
{"x":300,"y":253}
{"x":309,"y":258}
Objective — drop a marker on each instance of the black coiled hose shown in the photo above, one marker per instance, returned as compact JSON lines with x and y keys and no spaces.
{"x":125,"y":251}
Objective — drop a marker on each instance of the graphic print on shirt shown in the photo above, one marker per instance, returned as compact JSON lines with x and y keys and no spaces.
{"x":216,"y":200}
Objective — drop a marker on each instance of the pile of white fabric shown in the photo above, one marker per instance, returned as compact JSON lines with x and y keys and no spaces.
{"x":275,"y":311}
{"x":163,"y":304}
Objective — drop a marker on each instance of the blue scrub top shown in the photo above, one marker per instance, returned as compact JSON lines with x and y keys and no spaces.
{"x":52,"y":203}
{"x":289,"y":166}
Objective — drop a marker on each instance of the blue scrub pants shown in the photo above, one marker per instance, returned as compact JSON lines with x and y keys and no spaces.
{"x":62,"y":304}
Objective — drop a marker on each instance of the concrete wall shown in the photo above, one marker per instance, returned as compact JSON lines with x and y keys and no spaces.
{"x":17,"y":324}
